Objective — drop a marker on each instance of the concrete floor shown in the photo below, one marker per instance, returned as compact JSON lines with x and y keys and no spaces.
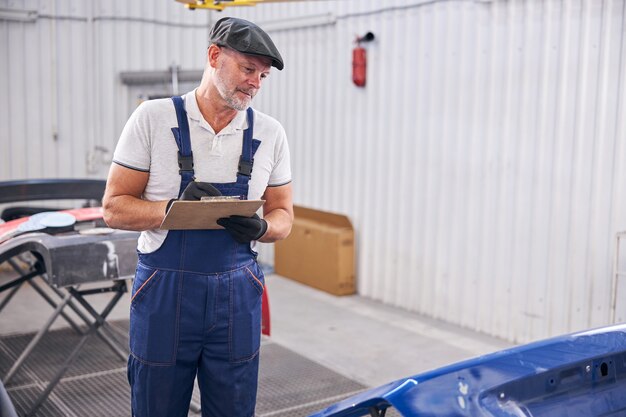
{"x":359,"y":338}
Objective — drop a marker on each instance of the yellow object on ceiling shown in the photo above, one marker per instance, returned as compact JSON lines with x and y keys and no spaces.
{"x":222,"y":4}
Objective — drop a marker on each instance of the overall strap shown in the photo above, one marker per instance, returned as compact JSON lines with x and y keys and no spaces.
{"x":248,"y":149}
{"x":183,"y":141}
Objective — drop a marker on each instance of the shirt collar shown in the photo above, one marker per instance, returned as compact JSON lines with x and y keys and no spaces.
{"x":240,"y":122}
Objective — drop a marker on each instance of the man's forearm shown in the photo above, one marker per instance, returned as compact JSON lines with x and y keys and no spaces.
{"x":279,"y":223}
{"x":131,"y":213}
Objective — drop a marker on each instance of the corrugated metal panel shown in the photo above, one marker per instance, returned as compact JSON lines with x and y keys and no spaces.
{"x":62,"y":96}
{"x":480,"y":165}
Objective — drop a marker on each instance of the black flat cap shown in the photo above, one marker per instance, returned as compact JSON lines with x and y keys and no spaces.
{"x":245,"y":37}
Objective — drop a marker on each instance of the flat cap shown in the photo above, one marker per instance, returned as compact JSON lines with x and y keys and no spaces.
{"x":245,"y":37}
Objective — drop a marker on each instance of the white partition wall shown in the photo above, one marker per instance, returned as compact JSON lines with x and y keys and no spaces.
{"x":62,"y":102}
{"x":482,"y":164}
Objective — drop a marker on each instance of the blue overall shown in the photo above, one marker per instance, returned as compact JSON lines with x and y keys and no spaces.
{"x":196,"y":310}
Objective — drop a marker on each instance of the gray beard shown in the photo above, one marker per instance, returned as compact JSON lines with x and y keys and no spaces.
{"x":230,"y":99}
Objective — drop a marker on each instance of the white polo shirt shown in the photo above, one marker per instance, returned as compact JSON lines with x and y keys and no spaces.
{"x":147,"y":144}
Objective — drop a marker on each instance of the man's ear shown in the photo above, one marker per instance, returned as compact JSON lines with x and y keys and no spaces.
{"x":213,"y":54}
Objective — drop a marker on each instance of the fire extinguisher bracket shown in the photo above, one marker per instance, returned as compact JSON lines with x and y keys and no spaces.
{"x":368,"y":37}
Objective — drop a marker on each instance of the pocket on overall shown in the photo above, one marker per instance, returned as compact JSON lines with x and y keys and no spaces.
{"x":247,"y":285}
{"x":154,"y":315}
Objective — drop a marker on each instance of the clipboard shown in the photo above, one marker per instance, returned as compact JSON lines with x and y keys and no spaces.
{"x":203,"y":214}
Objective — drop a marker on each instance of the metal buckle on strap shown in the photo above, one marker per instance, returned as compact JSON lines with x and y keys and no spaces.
{"x":185,"y":163}
{"x":245,"y":167}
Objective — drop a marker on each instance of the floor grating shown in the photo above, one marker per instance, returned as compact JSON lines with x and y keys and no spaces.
{"x":290,"y":385}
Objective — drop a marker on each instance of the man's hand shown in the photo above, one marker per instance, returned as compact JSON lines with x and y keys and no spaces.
{"x":244,"y":229}
{"x":195,"y":190}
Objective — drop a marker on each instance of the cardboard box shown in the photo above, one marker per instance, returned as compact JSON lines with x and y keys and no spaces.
{"x":319,"y":252}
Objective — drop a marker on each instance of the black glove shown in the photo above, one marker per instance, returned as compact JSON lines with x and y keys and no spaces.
{"x":244,"y":229}
{"x":196,"y":190}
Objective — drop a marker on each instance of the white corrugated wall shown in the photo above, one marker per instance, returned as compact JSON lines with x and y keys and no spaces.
{"x":61,"y":98}
{"x":481,"y":165}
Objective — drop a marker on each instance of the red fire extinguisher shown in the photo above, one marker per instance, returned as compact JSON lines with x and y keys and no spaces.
{"x":359,"y":60}
{"x":359,"y":66}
